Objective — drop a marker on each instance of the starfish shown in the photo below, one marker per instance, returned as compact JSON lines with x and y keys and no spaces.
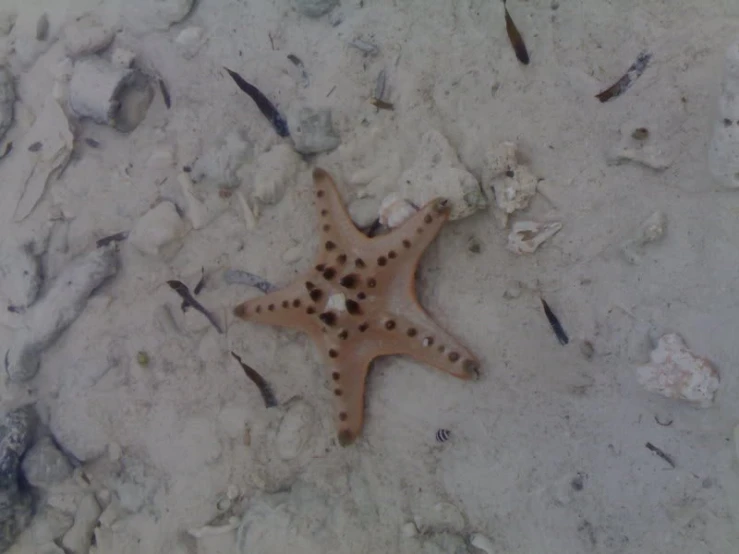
{"x":359,"y":302}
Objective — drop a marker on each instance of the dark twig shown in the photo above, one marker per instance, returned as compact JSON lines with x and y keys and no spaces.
{"x":264,"y":389}
{"x":661,"y":454}
{"x":556,"y":325}
{"x":188,"y":300}
{"x":118,"y":237}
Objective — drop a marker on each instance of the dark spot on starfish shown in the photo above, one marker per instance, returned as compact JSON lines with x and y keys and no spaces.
{"x":406,"y":243}
{"x":337,"y":392}
{"x":285,"y":303}
{"x":382,"y":260}
{"x":343,"y":416}
{"x":310,"y":310}
{"x":427,"y":218}
{"x":329,"y":318}
{"x":332,"y":353}
{"x":324,"y":213}
{"x":361,"y":295}
{"x":428,"y":341}
{"x":344,"y":334}
{"x":441,"y":349}
{"x":392,"y":255}
{"x":296,"y":303}
{"x":363,"y":327}
{"x":352,"y":306}
{"x":258,"y":309}
{"x":411,"y":332}
{"x":271,"y":307}
{"x":240,"y":311}
{"x":390,"y":325}
{"x":320,"y":194}
{"x":315,"y":295}
{"x":329,"y":273}
{"x":330,"y":245}
{"x":349,"y":281}
{"x":371,"y":283}
{"x":335,"y":376}
{"x":310,"y":286}
{"x":419,"y":230}
{"x":453,"y":356}
{"x":341,"y":259}
{"x":346,"y":437}
{"x":320,"y":267}
{"x":327,"y":227}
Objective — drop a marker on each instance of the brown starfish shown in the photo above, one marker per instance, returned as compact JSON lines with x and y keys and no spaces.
{"x":359,"y":302}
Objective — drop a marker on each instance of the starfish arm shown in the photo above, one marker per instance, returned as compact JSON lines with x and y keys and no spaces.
{"x":288,"y":307}
{"x":349,"y":368}
{"x":335,"y":225}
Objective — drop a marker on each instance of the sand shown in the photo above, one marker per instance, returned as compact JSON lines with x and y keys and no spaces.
{"x":547,"y":450}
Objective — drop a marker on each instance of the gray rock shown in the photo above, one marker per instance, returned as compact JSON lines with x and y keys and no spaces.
{"x":45,"y":465}
{"x":96,"y":87}
{"x":16,"y":431}
{"x":7,"y":101}
{"x":312,"y":130}
{"x":20,"y":276}
{"x":315,"y":8}
{"x":57,"y":310}
{"x":86,"y":36}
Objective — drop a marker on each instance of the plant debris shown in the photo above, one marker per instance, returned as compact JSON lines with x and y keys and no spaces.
{"x":519,"y":46}
{"x":556,"y":325}
{"x":381,"y":104}
{"x":264,"y":388}
{"x":201,"y":284}
{"x":240,"y":277}
{"x":35,"y":147}
{"x":92,"y":143}
{"x":118,"y":237}
{"x":165,"y":93}
{"x":297,"y":62}
{"x":623,"y":84}
{"x":661,"y":454}
{"x":189,"y":301}
{"x":265,"y":106}
{"x":656,"y":419}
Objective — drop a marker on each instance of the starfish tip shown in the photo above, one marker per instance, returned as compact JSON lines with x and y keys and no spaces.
{"x":346,"y":437}
{"x":240,"y":311}
{"x":319,"y":174}
{"x":471,"y":369}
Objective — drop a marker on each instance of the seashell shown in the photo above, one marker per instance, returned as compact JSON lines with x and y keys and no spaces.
{"x":483,"y":543}
{"x":527,"y":236}
{"x":443,"y":435}
{"x":395,"y":210}
{"x":675,"y":372}
{"x":336,"y":302}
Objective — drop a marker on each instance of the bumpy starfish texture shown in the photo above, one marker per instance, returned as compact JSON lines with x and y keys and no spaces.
{"x":359,"y":302}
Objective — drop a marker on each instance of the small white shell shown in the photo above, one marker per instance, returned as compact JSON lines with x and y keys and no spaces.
{"x":483,"y":543}
{"x":395,"y":210}
{"x":527,"y":236}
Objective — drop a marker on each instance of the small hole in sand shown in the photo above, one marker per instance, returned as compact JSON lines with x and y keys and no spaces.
{"x":332,"y":353}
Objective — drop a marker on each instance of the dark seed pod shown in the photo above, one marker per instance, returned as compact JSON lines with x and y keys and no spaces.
{"x":443,"y":435}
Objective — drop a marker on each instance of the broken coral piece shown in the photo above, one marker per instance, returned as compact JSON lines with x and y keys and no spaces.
{"x":675,"y":372}
{"x":382,"y":314}
{"x":526,"y":236}
{"x":512,"y":185}
{"x":395,"y":210}
{"x":651,"y":230}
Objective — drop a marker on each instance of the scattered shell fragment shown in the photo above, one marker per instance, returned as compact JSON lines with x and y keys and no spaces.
{"x":638,"y":145}
{"x":675,"y":372}
{"x":483,"y":543}
{"x":395,"y":210}
{"x":365,"y":46}
{"x":527,"y":236}
{"x":409,"y":529}
{"x":212,"y":530}
{"x":651,"y":230}
{"x":511,"y":184}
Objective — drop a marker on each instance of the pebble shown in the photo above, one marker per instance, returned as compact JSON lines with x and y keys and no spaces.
{"x":526,"y":236}
{"x":315,"y":8}
{"x":312,"y":129}
{"x":95,"y":89}
{"x":363,"y":211}
{"x":295,"y":430}
{"x":63,"y":302}
{"x":409,"y":529}
{"x":190,"y":41}
{"x":675,"y":372}
{"x":42,"y":27}
{"x":16,"y":432}
{"x":78,"y":538}
{"x":506,"y":182}
{"x":482,"y":542}
{"x":293,"y":254}
{"x":158,"y":231}
{"x":45,"y":466}
{"x":275,"y":171}
{"x":437,"y":172}
{"x":7,"y":101}
{"x":20,"y":275}
{"x":86,"y":36}
{"x":395,"y":210}
{"x":651,"y":230}
{"x":723,"y":148}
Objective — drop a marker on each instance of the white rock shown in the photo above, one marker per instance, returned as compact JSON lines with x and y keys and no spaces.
{"x":483,"y":543}
{"x":50,"y":524}
{"x":45,"y":466}
{"x":363,"y":211}
{"x":275,"y":171}
{"x":437,"y":172}
{"x":292,"y":255}
{"x":295,"y":430}
{"x":651,"y":230}
{"x":315,"y":8}
{"x":220,"y":164}
{"x":511,"y":184}
{"x":95,"y":89}
{"x":190,"y":41}
{"x":312,"y":129}
{"x":157,"y":232}
{"x":7,"y":101}
{"x":723,"y":149}
{"x":122,"y":57}
{"x":86,"y":36}
{"x":409,"y":529}
{"x":395,"y":210}
{"x":527,"y":236}
{"x":675,"y":372}
{"x":632,"y":148}
{"x":78,"y":539}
